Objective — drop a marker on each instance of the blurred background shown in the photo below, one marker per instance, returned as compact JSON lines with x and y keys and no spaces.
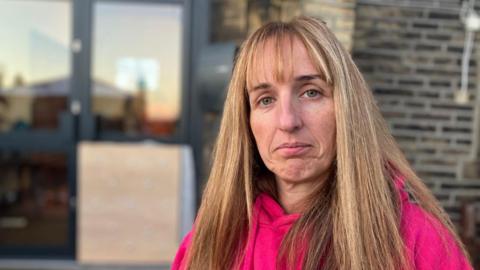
{"x":109,"y":110}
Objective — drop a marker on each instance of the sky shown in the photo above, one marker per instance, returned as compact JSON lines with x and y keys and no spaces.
{"x":20,"y":21}
{"x":150,"y":35}
{"x":131,"y":41}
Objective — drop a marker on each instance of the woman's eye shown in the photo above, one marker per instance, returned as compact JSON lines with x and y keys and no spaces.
{"x":311,"y":93}
{"x":266,"y":101}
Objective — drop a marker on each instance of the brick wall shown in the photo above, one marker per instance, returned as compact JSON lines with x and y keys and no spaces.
{"x":410,"y":54}
{"x":338,"y":14}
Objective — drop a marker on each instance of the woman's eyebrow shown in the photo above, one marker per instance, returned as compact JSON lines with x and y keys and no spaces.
{"x":300,"y":78}
{"x":308,"y":77}
{"x":260,"y":86}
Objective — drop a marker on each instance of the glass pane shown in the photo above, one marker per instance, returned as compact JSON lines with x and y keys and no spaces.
{"x":34,"y":63}
{"x":33,"y":199}
{"x":137,"y":67}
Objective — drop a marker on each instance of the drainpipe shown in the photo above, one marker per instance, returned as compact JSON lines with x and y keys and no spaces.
{"x":471,"y":21}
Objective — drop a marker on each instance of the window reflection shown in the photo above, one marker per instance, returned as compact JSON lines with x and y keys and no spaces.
{"x":33,"y":199}
{"x":136,"y":67}
{"x":34,"y":63}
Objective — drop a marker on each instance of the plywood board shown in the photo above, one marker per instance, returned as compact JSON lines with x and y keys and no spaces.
{"x":128,"y":203}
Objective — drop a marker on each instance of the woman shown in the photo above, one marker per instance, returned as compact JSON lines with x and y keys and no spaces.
{"x":306,"y":174}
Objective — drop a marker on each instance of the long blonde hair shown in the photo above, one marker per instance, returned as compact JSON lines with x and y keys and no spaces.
{"x":353,"y":220}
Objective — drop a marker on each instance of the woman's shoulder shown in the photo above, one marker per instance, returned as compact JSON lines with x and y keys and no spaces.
{"x":429,"y":243}
{"x":178,"y":262}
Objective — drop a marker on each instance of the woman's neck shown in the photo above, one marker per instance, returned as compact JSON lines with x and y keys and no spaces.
{"x":292,"y":195}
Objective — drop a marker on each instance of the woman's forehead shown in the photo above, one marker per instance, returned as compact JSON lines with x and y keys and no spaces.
{"x":279,"y":60}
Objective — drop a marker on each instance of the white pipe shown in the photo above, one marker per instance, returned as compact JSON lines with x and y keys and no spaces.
{"x":467,"y":52}
{"x":471,"y":21}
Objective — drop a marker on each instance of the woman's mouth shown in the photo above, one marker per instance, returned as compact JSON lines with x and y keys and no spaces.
{"x":294,"y":149}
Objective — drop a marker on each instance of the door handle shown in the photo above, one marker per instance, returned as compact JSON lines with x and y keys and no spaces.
{"x":75,"y":107}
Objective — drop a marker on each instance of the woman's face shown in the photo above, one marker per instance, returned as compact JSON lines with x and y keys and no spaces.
{"x":292,"y":120}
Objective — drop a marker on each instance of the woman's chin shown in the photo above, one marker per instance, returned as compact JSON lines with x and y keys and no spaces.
{"x":301,"y":172}
{"x":295,"y":177}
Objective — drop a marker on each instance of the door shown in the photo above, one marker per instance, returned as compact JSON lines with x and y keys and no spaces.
{"x":37,"y":141}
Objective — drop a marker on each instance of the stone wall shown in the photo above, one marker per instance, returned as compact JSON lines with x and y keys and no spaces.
{"x":411,"y":56}
{"x":338,"y":14}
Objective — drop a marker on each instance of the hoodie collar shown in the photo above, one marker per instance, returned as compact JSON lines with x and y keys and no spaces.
{"x":271,"y":213}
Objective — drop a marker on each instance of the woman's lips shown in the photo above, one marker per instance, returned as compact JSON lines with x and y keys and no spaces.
{"x":292,"y":149}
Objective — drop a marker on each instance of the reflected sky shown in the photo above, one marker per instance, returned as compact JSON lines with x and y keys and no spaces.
{"x":28,"y":30}
{"x":139,"y":46}
{"x":35,"y":37}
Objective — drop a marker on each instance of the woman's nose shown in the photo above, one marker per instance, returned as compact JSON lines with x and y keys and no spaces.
{"x":290,"y":118}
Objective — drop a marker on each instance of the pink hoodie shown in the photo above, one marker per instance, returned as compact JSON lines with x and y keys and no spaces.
{"x":422,"y":235}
